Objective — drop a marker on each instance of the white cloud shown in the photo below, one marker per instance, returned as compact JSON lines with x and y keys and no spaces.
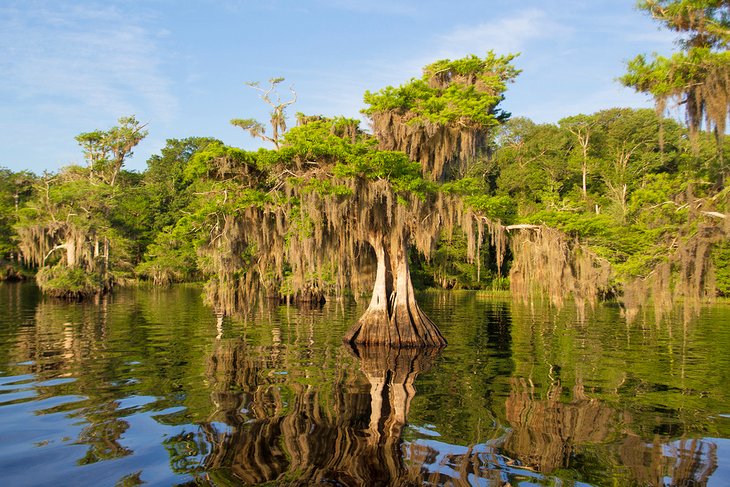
{"x":607,"y":95}
{"x":659,"y":37}
{"x":382,"y":7}
{"x":82,"y":60}
{"x":504,"y":36}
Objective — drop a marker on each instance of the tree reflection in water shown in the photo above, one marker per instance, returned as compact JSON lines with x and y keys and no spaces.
{"x":305,"y":410}
{"x":548,"y":434}
{"x":268,"y":429}
{"x":273,"y":426}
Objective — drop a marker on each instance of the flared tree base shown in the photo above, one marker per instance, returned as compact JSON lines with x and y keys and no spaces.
{"x":405,"y":326}
{"x":394,"y":318}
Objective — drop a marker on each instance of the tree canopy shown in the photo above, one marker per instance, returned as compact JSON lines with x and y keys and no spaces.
{"x":445,"y":117}
{"x":698,"y":76}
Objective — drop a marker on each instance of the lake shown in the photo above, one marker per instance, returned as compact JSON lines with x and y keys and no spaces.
{"x":147,"y":386}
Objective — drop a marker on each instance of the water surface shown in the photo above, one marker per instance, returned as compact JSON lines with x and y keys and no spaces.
{"x":146,"y":386}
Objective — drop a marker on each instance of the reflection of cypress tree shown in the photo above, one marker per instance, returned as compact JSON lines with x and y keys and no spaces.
{"x":70,"y":340}
{"x":548,"y":433}
{"x":687,"y":462}
{"x":103,"y":433}
{"x":351,"y":436}
{"x":391,"y":374}
{"x":250,"y":451}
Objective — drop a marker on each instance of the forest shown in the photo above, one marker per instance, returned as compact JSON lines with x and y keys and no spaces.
{"x":442,"y":189}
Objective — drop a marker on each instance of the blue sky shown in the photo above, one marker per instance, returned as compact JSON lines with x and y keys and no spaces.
{"x":180,"y":66}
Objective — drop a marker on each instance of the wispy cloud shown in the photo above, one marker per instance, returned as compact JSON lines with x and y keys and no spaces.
{"x":381,"y":7}
{"x":664,"y":38}
{"x":607,"y":95}
{"x":508,"y":34}
{"x":505,"y":35}
{"x":90,"y":59}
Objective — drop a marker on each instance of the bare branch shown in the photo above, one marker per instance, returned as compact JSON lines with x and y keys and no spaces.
{"x":714,"y":214}
{"x":522,"y":226}
{"x":57,"y":247}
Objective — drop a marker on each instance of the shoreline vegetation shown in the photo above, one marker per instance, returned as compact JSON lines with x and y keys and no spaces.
{"x":447,"y":191}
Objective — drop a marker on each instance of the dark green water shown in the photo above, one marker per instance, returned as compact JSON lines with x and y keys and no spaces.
{"x":146,"y":386}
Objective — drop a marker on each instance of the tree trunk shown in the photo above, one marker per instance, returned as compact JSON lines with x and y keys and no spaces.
{"x":70,"y":253}
{"x":393,"y":316}
{"x":106,"y":255}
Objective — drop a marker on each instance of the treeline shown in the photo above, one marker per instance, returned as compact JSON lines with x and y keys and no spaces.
{"x":629,"y":186}
{"x":446,"y":187}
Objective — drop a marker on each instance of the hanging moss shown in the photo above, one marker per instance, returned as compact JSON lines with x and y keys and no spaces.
{"x":546,"y":262}
{"x":689,"y":274}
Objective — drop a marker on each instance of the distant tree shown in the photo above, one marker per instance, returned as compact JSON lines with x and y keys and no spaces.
{"x":106,"y":151}
{"x":533,"y":162}
{"x":278,"y":113}
{"x":629,"y":149}
{"x":78,"y":229}
{"x":581,"y":127}
{"x":165,"y":181}
{"x":121,"y":140}
{"x":15,"y":189}
{"x":164,"y":225}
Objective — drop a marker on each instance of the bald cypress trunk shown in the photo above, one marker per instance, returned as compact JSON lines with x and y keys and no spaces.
{"x":393,"y":316}
{"x":70,"y":253}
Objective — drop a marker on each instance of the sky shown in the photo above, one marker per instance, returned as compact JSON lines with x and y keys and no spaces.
{"x":68,"y":67}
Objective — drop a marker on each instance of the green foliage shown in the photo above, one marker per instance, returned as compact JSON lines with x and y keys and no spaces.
{"x":216,"y":160}
{"x":532,"y":161}
{"x":395,"y":167}
{"x":502,"y":208}
{"x":320,"y":142}
{"x":168,"y":168}
{"x":15,"y":190}
{"x":652,"y":204}
{"x":474,"y":192}
{"x":466,"y":90}
{"x":70,"y":283}
{"x":697,"y":77}
{"x":172,"y":257}
{"x":160,"y":198}
{"x":721,"y":261}
{"x":468,"y":186}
